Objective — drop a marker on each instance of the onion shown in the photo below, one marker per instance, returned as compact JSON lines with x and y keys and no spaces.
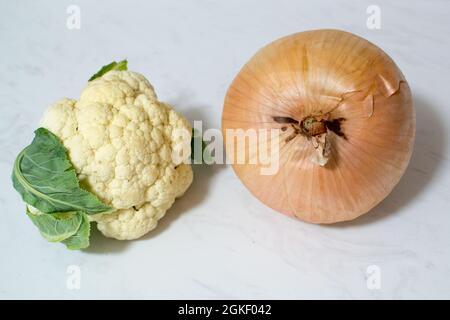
{"x":344,"y":118}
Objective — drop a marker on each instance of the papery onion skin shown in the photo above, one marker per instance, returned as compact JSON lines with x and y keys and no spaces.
{"x":371,"y":123}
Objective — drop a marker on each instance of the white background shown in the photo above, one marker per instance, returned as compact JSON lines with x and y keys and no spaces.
{"x":218,"y":241}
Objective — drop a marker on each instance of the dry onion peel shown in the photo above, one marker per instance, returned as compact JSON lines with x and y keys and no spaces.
{"x":346,"y":121}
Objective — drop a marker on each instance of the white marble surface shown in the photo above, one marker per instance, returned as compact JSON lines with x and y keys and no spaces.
{"x":218,"y":241}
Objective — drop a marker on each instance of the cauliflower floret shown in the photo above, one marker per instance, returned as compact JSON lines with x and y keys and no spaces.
{"x":120,"y":140}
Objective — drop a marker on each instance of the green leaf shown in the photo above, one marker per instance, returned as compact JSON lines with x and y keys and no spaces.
{"x":70,"y":228}
{"x":80,"y":240}
{"x":58,"y":226}
{"x":46,"y":179}
{"x":121,"y":65}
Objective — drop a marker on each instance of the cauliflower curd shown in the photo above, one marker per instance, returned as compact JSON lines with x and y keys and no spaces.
{"x":120,"y":140}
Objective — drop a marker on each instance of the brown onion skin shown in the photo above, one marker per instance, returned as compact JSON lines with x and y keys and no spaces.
{"x":341,"y":76}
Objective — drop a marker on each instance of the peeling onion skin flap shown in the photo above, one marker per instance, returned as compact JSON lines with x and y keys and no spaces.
{"x":46,"y":179}
{"x":345,"y":80}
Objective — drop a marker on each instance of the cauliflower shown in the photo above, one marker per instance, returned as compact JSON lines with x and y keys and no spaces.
{"x":120,"y":140}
